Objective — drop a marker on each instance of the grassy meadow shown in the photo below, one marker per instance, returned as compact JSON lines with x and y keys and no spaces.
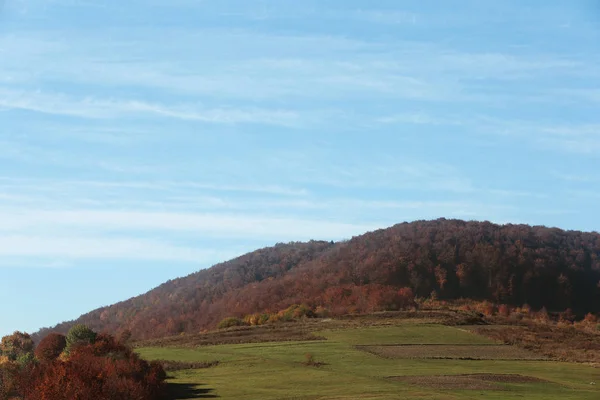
{"x":278,"y":370}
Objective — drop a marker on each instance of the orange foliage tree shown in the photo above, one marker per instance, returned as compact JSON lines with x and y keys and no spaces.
{"x":50,"y":347}
{"x":103,"y":370}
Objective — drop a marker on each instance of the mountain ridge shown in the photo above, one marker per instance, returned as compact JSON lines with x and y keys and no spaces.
{"x":512,"y":263}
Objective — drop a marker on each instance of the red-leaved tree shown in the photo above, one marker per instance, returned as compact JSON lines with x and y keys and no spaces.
{"x":50,"y":347}
{"x":103,"y":370}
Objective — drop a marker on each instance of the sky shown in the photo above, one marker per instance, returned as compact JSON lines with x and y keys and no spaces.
{"x":144,"y":140}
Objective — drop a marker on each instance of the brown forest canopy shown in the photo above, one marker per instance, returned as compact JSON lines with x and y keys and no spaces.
{"x":512,"y":264}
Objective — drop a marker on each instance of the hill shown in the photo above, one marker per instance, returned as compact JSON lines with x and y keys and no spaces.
{"x":509,"y":264}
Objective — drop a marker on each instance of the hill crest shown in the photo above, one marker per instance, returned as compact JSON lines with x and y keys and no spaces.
{"x":512,"y":264}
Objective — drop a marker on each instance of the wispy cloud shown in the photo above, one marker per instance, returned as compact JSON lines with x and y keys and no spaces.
{"x":573,"y":137}
{"x":99,"y":247}
{"x":106,"y":109}
{"x":259,"y":67}
{"x":83,"y":186}
{"x":577,"y":178}
{"x":419,"y":118}
{"x":237,"y":225}
{"x":387,"y":17}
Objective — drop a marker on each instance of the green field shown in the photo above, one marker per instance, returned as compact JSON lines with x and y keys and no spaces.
{"x":277,"y":370}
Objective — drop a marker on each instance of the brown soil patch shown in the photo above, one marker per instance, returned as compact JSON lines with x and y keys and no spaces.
{"x":283,"y":332}
{"x":559,"y":343}
{"x":466,"y":382}
{"x":464,"y":352}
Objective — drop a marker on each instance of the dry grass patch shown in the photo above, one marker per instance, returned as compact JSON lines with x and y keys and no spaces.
{"x":466,"y":382}
{"x":559,"y":343}
{"x":169,"y":365}
{"x":281,"y":332}
{"x":463,"y":352}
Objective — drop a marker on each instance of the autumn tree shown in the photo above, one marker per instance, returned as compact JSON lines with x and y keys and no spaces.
{"x":79,"y":335}
{"x":124,"y":336}
{"x":8,"y":377}
{"x":102,"y":370}
{"x":17,"y":347}
{"x":51,"y":347}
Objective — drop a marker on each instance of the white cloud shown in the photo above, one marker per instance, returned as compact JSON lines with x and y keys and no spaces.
{"x":84,"y":186}
{"x":77,"y":247}
{"x":573,"y":177}
{"x":212,"y":224}
{"x":419,"y":118}
{"x":248,"y":65}
{"x":574,"y":138}
{"x":60,"y":104}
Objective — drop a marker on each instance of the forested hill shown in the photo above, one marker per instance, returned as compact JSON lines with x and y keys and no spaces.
{"x":511,"y":264}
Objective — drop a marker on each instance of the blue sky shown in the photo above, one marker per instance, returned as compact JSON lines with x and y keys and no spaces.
{"x":144,"y":140}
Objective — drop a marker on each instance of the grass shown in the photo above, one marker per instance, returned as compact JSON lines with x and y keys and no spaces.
{"x":405,"y":334}
{"x":278,"y":371}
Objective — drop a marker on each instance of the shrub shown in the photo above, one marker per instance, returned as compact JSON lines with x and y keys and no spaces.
{"x":322,"y":312}
{"x":405,"y":298}
{"x":567,"y":316}
{"x":525,"y":310}
{"x":274,"y":318}
{"x":542,"y":316}
{"x":503,"y":310}
{"x":230,"y":322}
{"x":257,"y":319}
{"x":311,"y":362}
{"x":486,"y":308}
{"x":591,"y":318}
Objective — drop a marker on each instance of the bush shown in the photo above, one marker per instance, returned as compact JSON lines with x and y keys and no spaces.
{"x":504,"y":310}
{"x":405,"y":298}
{"x":230,"y":322}
{"x":567,"y":317}
{"x":311,"y":362}
{"x":590,"y":318}
{"x":542,"y":316}
{"x":322,"y":312}
{"x":296,"y":311}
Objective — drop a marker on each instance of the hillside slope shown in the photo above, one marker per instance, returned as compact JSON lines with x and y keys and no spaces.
{"x":513,"y":264}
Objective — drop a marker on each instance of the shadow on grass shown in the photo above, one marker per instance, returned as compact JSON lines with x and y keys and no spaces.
{"x":181,"y":391}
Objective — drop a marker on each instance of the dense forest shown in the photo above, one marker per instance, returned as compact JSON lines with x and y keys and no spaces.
{"x":449,"y":259}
